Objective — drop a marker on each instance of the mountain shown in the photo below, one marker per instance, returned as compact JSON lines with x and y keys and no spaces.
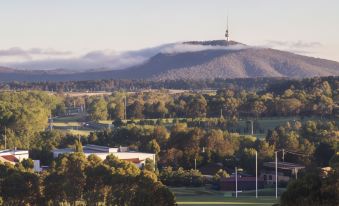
{"x":208,"y":60}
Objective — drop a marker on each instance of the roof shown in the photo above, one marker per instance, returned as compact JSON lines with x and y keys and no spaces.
{"x":284,"y":165}
{"x":102,"y":152}
{"x":10,"y":158}
{"x":90,"y":149}
{"x":133,"y":160}
{"x":240,"y":179}
{"x":13,"y":152}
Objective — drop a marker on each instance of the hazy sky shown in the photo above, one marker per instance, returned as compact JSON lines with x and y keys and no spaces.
{"x":38,"y":29}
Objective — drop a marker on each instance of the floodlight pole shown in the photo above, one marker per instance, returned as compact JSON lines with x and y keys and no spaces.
{"x":195,"y":163}
{"x":236,"y":182}
{"x":5,"y":138}
{"x":252,"y":132}
{"x":125,"y":104}
{"x":256,"y":174}
{"x":276,"y":175}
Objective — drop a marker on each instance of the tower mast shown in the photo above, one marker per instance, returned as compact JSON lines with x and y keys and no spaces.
{"x":227,"y":32}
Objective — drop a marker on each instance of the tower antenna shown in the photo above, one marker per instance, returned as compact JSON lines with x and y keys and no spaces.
{"x":227,"y":31}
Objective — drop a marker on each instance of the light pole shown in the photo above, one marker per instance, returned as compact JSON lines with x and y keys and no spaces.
{"x":252,"y":130}
{"x":195,"y":163}
{"x":236,"y":182}
{"x":125,"y":104}
{"x":256,"y":174}
{"x":276,"y":175}
{"x":5,"y":138}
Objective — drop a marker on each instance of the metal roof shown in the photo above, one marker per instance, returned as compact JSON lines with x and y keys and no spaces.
{"x":284,"y":165}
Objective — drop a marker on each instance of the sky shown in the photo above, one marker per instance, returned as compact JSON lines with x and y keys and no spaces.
{"x":35,"y":33}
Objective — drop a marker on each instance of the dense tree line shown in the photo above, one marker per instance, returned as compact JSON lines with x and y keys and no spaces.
{"x":75,"y":179}
{"x":181,"y":146}
{"x":135,"y":85}
{"x":320,"y":99}
{"x":272,"y":84}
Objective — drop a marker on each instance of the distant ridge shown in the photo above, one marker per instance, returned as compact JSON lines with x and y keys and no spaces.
{"x":221,"y":60}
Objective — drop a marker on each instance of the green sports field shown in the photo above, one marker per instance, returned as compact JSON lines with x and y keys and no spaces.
{"x":202,"y":196}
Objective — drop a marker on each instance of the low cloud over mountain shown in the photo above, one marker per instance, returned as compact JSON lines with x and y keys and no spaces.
{"x":49,"y":59}
{"x":188,"y":60}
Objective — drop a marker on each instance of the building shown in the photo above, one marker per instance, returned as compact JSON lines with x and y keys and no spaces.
{"x":122,"y":153}
{"x":13,"y":156}
{"x":244,"y":183}
{"x":286,"y":171}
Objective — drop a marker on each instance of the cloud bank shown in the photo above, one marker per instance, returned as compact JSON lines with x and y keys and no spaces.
{"x":105,"y":60}
{"x":300,"y":47}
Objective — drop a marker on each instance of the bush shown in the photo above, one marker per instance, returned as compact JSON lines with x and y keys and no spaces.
{"x":181,"y":177}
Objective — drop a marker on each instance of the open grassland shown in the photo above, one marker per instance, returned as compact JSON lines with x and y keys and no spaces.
{"x":204,"y":196}
{"x":81,"y":117}
{"x":263,"y":124}
{"x":72,"y":125}
{"x":81,"y":94}
{"x":80,"y":132}
{"x":66,"y":124}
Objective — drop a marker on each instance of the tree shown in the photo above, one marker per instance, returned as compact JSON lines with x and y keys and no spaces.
{"x":25,"y":114}
{"x":325,"y":105}
{"x":311,"y":190}
{"x":78,"y":147}
{"x":98,"y":109}
{"x":21,"y":188}
{"x":75,"y":176}
{"x":160,"y":109}
{"x":135,"y":110}
{"x":197,"y":106}
{"x":258,"y":107}
{"x":323,"y":153}
{"x":247,"y":160}
{"x":28,"y":164}
{"x":149,"y":165}
{"x":265,"y":150}
{"x":60,"y":109}
{"x":153,"y":147}
{"x":119,"y":111}
{"x":55,"y":187}
{"x":161,"y":135}
{"x":215,"y":143}
{"x":290,"y":141}
{"x":219,"y":175}
{"x":289,"y":106}
{"x":97,"y":181}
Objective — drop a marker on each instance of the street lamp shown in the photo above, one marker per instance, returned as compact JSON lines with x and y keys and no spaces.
{"x":236,"y":182}
{"x":195,"y":159}
{"x":276,"y":175}
{"x":256,"y":174}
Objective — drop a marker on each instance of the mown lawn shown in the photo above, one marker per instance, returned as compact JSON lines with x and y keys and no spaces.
{"x":80,"y":132}
{"x":66,"y":124}
{"x":204,"y":196}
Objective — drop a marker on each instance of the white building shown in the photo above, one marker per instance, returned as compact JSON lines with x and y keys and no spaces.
{"x":13,"y":156}
{"x":122,"y":153}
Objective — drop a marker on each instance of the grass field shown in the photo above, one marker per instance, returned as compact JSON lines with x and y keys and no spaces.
{"x":80,"y":132}
{"x":66,"y":124}
{"x":231,"y":201}
{"x":203,"y":196}
{"x":74,"y":118}
{"x":72,"y":125}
